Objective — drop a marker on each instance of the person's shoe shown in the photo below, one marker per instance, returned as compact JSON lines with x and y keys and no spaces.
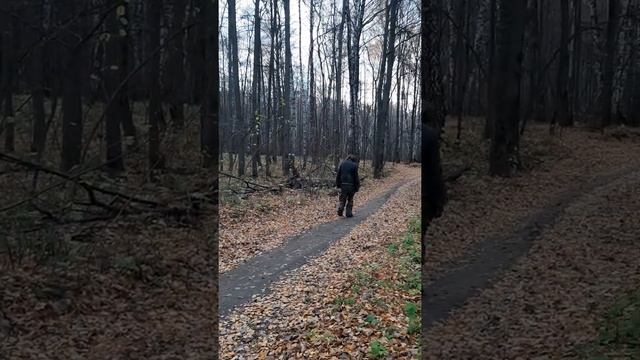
{"x":340,"y":213}
{"x":349,"y":215}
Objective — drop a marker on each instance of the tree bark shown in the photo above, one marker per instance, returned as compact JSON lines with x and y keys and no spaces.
{"x":431,"y":88}
{"x":210,"y":105}
{"x":234,"y":83}
{"x":383,"y":107}
{"x":288,"y":78}
{"x":505,"y":142}
{"x":609,"y":63}
{"x":354,"y":32}
{"x":154,"y":13}
{"x":7,"y":91}
{"x":255,"y":93}
{"x":561,"y":112}
{"x":111,"y":75}
{"x":36,"y":79}
{"x":488,"y":127}
{"x":71,"y":96}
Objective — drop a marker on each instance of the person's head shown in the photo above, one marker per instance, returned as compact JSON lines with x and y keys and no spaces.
{"x":353,"y":158}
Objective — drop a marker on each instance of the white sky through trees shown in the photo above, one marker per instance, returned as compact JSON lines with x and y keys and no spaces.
{"x":371,"y":41}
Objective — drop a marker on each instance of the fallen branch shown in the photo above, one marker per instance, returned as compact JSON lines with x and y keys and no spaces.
{"x":248,"y":183}
{"x":90,"y":188}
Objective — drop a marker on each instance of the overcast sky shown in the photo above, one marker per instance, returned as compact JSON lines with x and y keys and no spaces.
{"x":300,"y":19}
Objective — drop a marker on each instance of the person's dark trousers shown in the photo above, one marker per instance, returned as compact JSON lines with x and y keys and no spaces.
{"x":346,"y":198}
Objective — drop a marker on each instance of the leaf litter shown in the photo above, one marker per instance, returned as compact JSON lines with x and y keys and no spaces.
{"x":315,"y":311}
{"x":263,"y":221}
{"x":550,"y":303}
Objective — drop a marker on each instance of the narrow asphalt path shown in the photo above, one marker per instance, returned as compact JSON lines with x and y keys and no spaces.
{"x":485,"y":261}
{"x":253,"y":277}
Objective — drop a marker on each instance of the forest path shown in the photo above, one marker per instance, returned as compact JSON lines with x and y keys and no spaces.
{"x":253,"y":277}
{"x":541,"y":289}
{"x":486,"y":260}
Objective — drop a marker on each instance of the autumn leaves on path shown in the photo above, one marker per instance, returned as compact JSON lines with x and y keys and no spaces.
{"x":351,"y":288}
{"x":532,"y":267}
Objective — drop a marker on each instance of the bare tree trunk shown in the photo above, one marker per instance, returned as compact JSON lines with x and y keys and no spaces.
{"x":111,"y":75}
{"x":312,"y":93}
{"x":431,"y":87}
{"x":154,"y":13}
{"x":210,"y":104}
{"x":288,"y":78}
{"x":383,"y":107}
{"x":488,"y":127}
{"x":609,"y":63}
{"x":634,"y":74}
{"x":396,"y":139}
{"x":71,"y":98}
{"x":36,"y":78}
{"x":234,"y":83}
{"x":354,"y":31}
{"x":338,"y":113}
{"x":300,"y":126}
{"x":7,"y":91}
{"x":561,"y":112}
{"x":577,"y":58}
{"x":255,"y":93}
{"x":175,"y":67}
{"x":459,"y":75}
{"x":412,"y":134}
{"x":505,"y":142}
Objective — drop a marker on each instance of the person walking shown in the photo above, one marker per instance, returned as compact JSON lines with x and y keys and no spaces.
{"x":348,"y":181}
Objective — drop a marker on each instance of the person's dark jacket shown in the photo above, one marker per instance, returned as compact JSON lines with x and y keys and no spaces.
{"x":348,"y":174}
{"x":434,"y":195}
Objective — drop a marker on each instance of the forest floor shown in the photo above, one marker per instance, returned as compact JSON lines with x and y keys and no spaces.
{"x":545,"y":264}
{"x":138,"y":284}
{"x":253,"y":224}
{"x":356,"y":296}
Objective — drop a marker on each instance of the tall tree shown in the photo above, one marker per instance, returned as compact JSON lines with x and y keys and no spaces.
{"x":384,"y":88}
{"x":491,"y":50}
{"x":255,"y":92}
{"x":234,"y":83}
{"x":574,"y":94}
{"x":504,"y":154}
{"x":288,"y":78}
{"x":115,"y":111}
{"x":7,"y":91}
{"x":608,"y":70}
{"x":431,"y":87}
{"x":175,"y":73}
{"x":337,"y":125}
{"x":312,"y":86}
{"x":561,"y":111}
{"x":71,"y":91}
{"x":154,"y":14}
{"x":36,"y":80}
{"x":355,"y":25}
{"x":210,"y":102}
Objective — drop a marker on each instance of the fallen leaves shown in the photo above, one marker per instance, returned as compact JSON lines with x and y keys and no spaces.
{"x":314,"y":312}
{"x":550,"y":303}
{"x":263,"y":221}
